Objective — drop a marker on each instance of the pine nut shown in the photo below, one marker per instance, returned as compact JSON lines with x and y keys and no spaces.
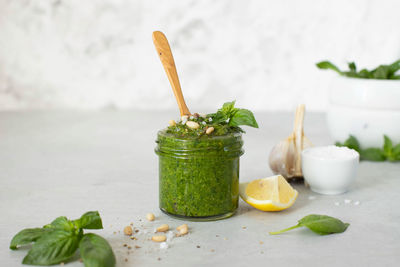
{"x":182,"y":229}
{"x":128,"y":230}
{"x":210,"y":130}
{"x":159,"y":238}
{"x":150,"y":216}
{"x":163,"y":228}
{"x":192,"y":125}
{"x":172,"y":123}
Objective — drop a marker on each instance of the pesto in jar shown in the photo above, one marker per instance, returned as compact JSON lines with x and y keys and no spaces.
{"x":199,"y":171}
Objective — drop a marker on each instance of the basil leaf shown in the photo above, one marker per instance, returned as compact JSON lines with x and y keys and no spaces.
{"x":351,"y":142}
{"x":352,"y":66}
{"x":372,"y":154}
{"x":89,"y":220}
{"x":53,"y":247}
{"x":323,"y":224}
{"x":319,"y":224}
{"x":96,"y":252}
{"x":381,"y":72}
{"x":243,"y":117}
{"x":27,"y":236}
{"x":328,"y":65}
{"x":228,"y":108}
{"x":396,"y":152}
{"x":61,"y":223}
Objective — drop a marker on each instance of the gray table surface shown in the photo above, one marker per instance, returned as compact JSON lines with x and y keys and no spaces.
{"x":66,"y":163}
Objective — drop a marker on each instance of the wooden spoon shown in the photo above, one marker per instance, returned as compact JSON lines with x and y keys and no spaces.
{"x":167,"y":60}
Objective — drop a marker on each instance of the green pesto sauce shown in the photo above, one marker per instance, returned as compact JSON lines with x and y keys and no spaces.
{"x":199,"y":177}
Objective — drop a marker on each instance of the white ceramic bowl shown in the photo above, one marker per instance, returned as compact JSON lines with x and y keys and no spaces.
{"x":329,"y":170}
{"x":365,"y":108}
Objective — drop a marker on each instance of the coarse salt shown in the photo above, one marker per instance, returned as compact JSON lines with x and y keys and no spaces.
{"x":311,"y":197}
{"x":331,"y":152}
{"x":337,"y":204}
{"x":164,"y":245}
{"x":357,"y":203}
{"x":347,"y":201}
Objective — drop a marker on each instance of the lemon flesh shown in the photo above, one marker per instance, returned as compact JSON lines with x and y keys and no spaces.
{"x":268,"y":194}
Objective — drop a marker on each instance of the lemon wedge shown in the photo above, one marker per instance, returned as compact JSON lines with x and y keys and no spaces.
{"x":268,"y":194}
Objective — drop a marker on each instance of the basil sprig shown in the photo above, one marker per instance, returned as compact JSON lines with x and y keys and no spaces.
{"x":319,"y":224}
{"x":58,"y":242}
{"x":385,"y":72}
{"x":389,"y":151}
{"x":234,"y":116}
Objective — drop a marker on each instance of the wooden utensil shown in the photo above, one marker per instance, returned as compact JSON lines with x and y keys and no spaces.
{"x":167,"y":60}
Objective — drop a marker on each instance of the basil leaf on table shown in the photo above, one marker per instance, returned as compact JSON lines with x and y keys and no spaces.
{"x":243,"y":117}
{"x":61,"y":223}
{"x":89,"y":220}
{"x":320,"y":224}
{"x":27,"y":236}
{"x":52,"y":248}
{"x":96,"y":252}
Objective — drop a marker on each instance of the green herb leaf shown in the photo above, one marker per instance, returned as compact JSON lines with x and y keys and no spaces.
{"x":372,"y":154}
{"x":96,"y":252}
{"x":328,"y":65}
{"x":52,"y":248}
{"x":381,"y":72}
{"x":323,"y":224}
{"x":27,"y":236}
{"x":243,"y":117}
{"x":89,"y":220}
{"x":352,"y":67}
{"x":61,"y":223}
{"x":320,"y":224}
{"x":351,"y":142}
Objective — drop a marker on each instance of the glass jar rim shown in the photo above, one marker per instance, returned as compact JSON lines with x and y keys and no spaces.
{"x":229,"y":145}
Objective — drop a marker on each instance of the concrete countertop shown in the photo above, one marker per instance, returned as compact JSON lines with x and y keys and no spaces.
{"x":66,"y":163}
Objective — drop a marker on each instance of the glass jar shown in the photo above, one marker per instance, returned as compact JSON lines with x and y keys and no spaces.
{"x":199,"y":177}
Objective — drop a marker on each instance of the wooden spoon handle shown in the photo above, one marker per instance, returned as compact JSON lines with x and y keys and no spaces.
{"x":167,"y":60}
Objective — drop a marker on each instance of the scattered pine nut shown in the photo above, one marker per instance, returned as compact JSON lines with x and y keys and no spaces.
{"x":125,"y":245}
{"x":128,"y":230}
{"x":150,"y":217}
{"x":137,"y":246}
{"x":162,"y":228}
{"x":210,"y":130}
{"x":182,"y":230}
{"x":261,"y":242}
{"x":158,"y":238}
{"x":192,"y":125}
{"x":172,"y":123}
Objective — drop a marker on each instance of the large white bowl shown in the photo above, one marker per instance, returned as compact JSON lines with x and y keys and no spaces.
{"x":365,"y":108}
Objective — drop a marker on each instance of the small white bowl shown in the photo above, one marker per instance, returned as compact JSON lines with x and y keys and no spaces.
{"x":329,"y":170}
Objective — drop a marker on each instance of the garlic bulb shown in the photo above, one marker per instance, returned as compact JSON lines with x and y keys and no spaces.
{"x":285,"y":157}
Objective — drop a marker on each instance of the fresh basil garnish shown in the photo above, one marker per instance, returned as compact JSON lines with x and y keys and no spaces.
{"x":58,"y":242}
{"x":319,"y":224}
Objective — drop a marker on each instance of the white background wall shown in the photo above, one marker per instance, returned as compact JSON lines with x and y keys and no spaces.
{"x":99,"y":54}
